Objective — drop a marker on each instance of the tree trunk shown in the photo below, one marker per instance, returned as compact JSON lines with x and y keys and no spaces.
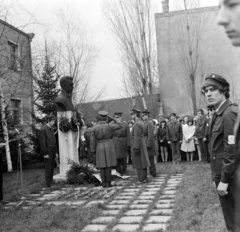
{"x":193,"y":96}
{"x":5,"y":130}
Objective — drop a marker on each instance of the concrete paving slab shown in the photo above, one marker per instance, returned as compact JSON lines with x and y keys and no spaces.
{"x":170,"y":188}
{"x":161,"y":212}
{"x":167,"y":197}
{"x":139,"y":206}
{"x":130,"y":219}
{"x":42,"y":199}
{"x":150,"y":197}
{"x":170,"y":192}
{"x":79,"y":203}
{"x":163,"y":206}
{"x":123,"y":197}
{"x":165,"y":201}
{"x":68,"y":203}
{"x":103,"y":220}
{"x":158,"y":219}
{"x":142,"y":202}
{"x":119,"y":202}
{"x":126,"y":228}
{"x":153,"y":186}
{"x":152,"y":189}
{"x":110,"y":212}
{"x":94,"y":228}
{"x":127,"y":194}
{"x":94,"y":203}
{"x":33,"y":195}
{"x":131,"y":190}
{"x":80,"y":188}
{"x":49,"y":195}
{"x":115,"y":206}
{"x":137,"y":212}
{"x":154,"y":227}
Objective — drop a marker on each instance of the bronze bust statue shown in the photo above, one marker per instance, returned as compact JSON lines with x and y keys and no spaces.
{"x":63,"y":100}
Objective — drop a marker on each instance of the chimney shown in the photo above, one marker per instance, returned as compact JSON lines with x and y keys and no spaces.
{"x":165,"y":6}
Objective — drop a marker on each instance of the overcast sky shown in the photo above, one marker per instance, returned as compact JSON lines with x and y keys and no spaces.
{"x":107,"y":69}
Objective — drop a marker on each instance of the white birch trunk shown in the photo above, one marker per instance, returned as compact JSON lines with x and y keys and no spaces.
{"x":5,"y":130}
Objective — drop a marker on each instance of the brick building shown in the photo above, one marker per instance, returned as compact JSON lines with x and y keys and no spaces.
{"x":215,"y":55}
{"x":16,"y":73}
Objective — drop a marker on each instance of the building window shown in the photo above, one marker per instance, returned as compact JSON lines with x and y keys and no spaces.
{"x":16,"y":106}
{"x":13,"y":56}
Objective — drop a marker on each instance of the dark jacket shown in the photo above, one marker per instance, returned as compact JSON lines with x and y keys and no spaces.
{"x":201,"y":127}
{"x":140,"y":158}
{"x":47,"y":141}
{"x":174,"y":131}
{"x":101,"y":143}
{"x":87,"y":135}
{"x":149,"y":137}
{"x":220,"y":146}
{"x":237,"y":173}
{"x":122,"y":140}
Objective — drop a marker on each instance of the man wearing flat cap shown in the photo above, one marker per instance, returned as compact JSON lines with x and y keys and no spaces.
{"x":102,"y":145}
{"x":174,"y":135}
{"x":150,"y":141}
{"x":140,"y":157}
{"x":122,"y":144}
{"x":221,"y":143}
{"x":48,"y":146}
{"x":229,"y":18}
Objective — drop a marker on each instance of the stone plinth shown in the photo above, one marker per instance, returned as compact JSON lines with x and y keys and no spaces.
{"x":68,"y":147}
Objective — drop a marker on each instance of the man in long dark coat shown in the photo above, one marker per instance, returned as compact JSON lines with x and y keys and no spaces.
{"x":102,"y":145}
{"x":229,"y":18}
{"x":150,"y":141}
{"x":122,"y":143}
{"x":221,"y":143}
{"x":140,"y":157}
{"x":48,"y":148}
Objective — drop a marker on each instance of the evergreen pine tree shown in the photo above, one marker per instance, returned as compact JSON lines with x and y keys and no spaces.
{"x":46,"y":91}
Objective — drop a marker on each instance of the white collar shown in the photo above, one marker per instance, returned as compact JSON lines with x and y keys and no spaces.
{"x":220,"y":106}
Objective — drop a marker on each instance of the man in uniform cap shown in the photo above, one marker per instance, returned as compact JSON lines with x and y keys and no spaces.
{"x":122,"y":144}
{"x":174,"y":135}
{"x":229,"y":18}
{"x":221,"y":143}
{"x":140,"y":157}
{"x":48,"y":146}
{"x":150,"y":141}
{"x":102,"y":145}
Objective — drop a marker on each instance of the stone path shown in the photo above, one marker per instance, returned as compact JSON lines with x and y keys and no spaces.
{"x":147,"y":207}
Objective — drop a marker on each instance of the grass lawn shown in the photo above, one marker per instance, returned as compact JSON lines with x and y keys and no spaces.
{"x":197,"y":206}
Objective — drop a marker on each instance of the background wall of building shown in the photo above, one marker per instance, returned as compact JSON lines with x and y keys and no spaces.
{"x":216,"y":55}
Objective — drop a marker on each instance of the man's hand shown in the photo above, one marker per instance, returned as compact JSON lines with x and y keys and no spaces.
{"x":161,"y":141}
{"x":46,"y":157}
{"x":222,"y":189}
{"x":57,"y":155}
{"x":169,"y":142}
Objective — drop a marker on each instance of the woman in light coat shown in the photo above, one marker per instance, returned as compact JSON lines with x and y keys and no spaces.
{"x":188,"y":145}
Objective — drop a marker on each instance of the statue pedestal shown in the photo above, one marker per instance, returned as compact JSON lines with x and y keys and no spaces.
{"x":67,"y":148}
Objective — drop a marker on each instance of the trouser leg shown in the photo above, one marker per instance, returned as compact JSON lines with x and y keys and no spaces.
{"x":102,"y":174}
{"x":152,"y":168}
{"x":1,"y":179}
{"x":173,"y":148}
{"x":119,"y":166}
{"x":52,"y":166}
{"x":202,"y":149}
{"x":178,"y":151}
{"x":228,"y":207}
{"x":108,"y":177}
{"x":124,"y":165}
{"x":48,"y":171}
{"x":237,"y":199}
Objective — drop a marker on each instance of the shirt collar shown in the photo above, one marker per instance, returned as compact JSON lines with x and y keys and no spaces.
{"x":220,"y":106}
